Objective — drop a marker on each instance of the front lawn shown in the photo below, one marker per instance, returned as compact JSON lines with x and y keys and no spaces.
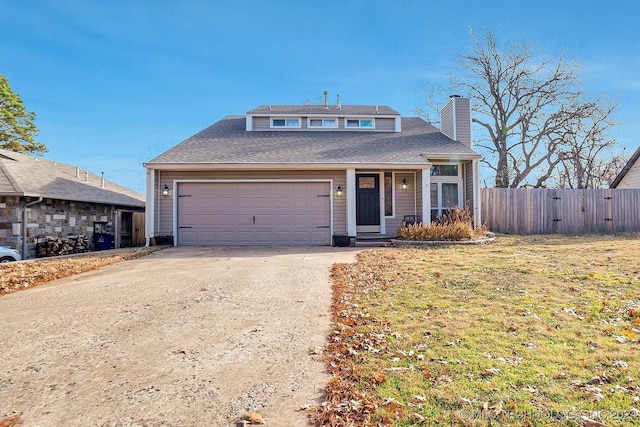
{"x":528,"y":331}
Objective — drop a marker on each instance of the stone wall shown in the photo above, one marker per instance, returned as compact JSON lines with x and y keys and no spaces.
{"x":51,"y":217}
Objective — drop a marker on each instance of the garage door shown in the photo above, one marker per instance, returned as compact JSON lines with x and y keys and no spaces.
{"x":254,"y":213}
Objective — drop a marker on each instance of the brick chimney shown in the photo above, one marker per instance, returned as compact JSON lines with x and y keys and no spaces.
{"x":455,"y":119}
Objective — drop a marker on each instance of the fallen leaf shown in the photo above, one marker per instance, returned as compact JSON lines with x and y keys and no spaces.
{"x":586,"y":422}
{"x":11,"y":421}
{"x":489,"y":372}
{"x":254,"y":418}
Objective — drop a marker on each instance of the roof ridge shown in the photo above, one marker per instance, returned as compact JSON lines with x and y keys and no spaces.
{"x":9,"y":178}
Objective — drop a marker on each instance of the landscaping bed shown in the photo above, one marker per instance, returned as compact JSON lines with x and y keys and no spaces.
{"x":15,"y":276}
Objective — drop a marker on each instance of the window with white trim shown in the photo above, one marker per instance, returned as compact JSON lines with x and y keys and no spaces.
{"x":446,"y":189}
{"x":360,"y":123}
{"x":322,"y":123}
{"x":285,"y":122}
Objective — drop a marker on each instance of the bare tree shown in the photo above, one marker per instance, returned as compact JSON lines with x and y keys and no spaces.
{"x":539,"y":128}
{"x":589,"y":159}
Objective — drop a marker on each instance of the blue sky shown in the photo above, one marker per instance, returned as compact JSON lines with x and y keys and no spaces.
{"x":115,"y":83}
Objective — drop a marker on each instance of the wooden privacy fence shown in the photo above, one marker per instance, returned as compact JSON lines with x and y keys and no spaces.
{"x":545,"y":211}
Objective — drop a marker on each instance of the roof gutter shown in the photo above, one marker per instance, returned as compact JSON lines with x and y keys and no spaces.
{"x":24,"y":225}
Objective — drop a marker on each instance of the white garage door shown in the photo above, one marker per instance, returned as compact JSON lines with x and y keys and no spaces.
{"x":254,"y":213}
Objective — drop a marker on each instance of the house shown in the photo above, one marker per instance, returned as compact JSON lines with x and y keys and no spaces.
{"x":300,"y":174}
{"x":629,"y":176}
{"x":58,"y":200}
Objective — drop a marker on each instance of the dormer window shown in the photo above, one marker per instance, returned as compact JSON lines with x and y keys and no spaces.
{"x":322,"y":123}
{"x":360,"y":123}
{"x":285,"y":123}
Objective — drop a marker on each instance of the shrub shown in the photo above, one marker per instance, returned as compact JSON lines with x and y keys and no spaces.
{"x":455,"y":224}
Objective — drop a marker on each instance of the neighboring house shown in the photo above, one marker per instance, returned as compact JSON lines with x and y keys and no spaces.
{"x":296,"y":175}
{"x":629,"y":176}
{"x":58,"y":200}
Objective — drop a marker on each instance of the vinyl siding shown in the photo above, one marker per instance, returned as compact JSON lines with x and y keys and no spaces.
{"x":164,"y":205}
{"x":405,"y":203}
{"x":468,"y":184}
{"x":457,"y":121}
{"x":632,"y":178}
{"x":446,"y":120}
{"x":385,"y":125}
{"x":463,"y":121}
{"x":419,"y":190}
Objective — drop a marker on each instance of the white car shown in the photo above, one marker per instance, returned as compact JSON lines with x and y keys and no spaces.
{"x":8,"y":255}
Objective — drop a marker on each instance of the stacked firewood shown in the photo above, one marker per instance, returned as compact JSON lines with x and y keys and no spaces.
{"x":52,"y":246}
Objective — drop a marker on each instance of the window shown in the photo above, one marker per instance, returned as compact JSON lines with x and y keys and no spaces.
{"x":444,"y":195}
{"x":323,"y":123}
{"x":366,"y":182}
{"x":446,"y":188}
{"x":444,"y":170}
{"x":285,"y":123}
{"x":388,"y":194}
{"x":360,"y":123}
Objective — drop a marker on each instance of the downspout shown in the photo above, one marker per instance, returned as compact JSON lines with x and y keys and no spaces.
{"x":24,"y":226}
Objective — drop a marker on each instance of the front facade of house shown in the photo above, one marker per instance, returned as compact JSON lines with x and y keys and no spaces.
{"x":298,"y":175}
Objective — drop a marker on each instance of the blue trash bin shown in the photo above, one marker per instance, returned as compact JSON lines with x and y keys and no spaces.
{"x":103,"y":242}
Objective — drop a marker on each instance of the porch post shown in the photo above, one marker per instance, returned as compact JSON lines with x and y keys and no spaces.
{"x":477,"y":203}
{"x":351,"y":202}
{"x":150,"y":206}
{"x":426,"y":196}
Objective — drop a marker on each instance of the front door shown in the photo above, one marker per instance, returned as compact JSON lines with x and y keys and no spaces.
{"x":368,"y":203}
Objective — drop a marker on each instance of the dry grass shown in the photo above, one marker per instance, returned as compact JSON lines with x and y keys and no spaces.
{"x":529,"y":331}
{"x":15,"y":276}
{"x":454,"y":224}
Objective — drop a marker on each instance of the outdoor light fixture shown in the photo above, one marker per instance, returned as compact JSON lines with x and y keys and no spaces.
{"x":165,"y":190}
{"x":404,"y":184}
{"x":339,"y":191}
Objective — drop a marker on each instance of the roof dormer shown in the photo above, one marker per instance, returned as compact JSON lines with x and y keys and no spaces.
{"x":360,"y":118}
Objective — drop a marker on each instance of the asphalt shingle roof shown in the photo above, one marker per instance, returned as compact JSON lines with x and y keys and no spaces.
{"x":25,"y":175}
{"x":228,"y":141}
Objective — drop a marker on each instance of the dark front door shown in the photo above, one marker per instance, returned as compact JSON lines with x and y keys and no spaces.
{"x":368,"y":200}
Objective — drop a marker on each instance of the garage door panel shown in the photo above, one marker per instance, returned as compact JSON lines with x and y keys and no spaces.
{"x":222,"y":202}
{"x":301,"y":220}
{"x":242,"y":203}
{"x":282,"y":202}
{"x":318,"y":219}
{"x":264,"y":213}
{"x":189,"y":237}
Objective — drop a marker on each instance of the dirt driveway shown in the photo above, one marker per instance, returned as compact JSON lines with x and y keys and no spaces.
{"x":182,"y":337}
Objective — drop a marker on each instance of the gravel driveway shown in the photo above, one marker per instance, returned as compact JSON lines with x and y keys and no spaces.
{"x":182,"y":337}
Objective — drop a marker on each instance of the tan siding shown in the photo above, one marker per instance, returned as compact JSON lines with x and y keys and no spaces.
{"x":458,"y":123}
{"x":463,"y":121}
{"x":446,"y":120}
{"x":632,"y":178}
{"x":261,"y":123}
{"x":164,"y":209}
{"x":405,"y":201}
{"x":385,"y":124}
{"x":419,"y":189}
{"x":468,"y":184}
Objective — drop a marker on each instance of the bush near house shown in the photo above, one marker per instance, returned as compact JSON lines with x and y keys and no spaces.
{"x":454,"y":224}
